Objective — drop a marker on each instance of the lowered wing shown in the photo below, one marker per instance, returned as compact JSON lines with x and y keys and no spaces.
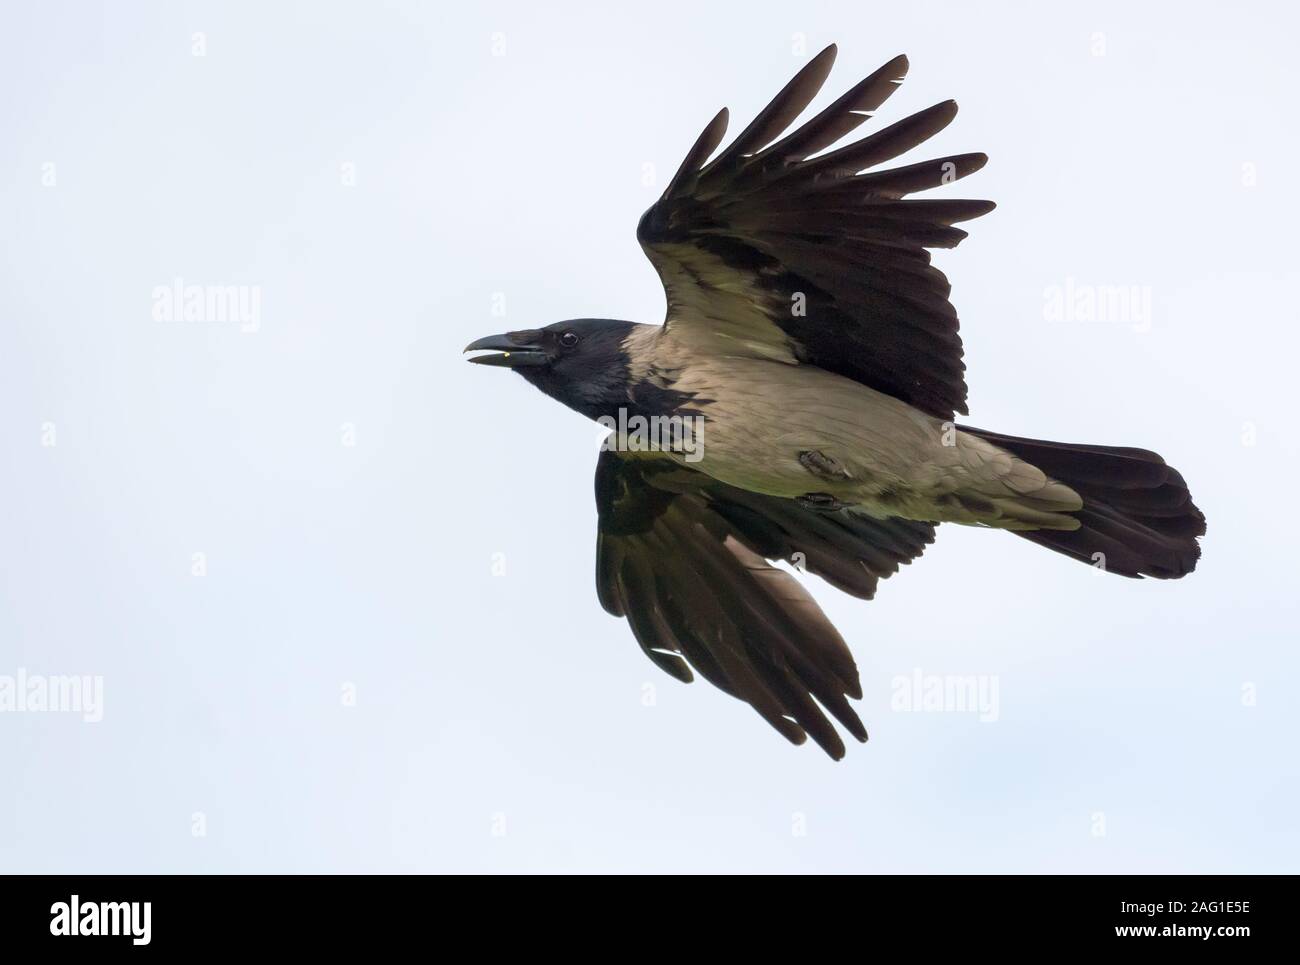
{"x":685,"y":559}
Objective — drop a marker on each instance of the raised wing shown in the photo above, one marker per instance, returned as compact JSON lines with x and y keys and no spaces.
{"x":684,"y":558}
{"x":818,"y":259}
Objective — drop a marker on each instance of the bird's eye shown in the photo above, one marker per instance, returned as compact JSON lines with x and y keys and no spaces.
{"x":569,"y":339}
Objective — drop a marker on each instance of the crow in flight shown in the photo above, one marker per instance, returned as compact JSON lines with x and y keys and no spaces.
{"x":797,"y":404}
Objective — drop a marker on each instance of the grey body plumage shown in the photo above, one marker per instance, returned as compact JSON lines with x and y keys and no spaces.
{"x":812,"y":351}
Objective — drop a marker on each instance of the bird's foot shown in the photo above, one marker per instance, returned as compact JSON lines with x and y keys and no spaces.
{"x":820,"y":502}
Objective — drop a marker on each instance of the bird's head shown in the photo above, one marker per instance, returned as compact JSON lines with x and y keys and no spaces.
{"x":582,"y":362}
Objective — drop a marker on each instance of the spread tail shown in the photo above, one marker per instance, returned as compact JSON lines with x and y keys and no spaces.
{"x":1138,"y":518}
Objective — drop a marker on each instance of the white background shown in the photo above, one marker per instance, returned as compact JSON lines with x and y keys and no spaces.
{"x":1152,"y":147}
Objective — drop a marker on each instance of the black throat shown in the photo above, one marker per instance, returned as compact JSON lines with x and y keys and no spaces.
{"x":593,"y":380}
{"x":597,"y":379}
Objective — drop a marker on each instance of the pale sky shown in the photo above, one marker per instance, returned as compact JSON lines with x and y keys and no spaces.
{"x":337,"y":585}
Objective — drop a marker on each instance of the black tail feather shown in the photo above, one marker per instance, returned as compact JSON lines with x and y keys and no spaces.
{"x":1137,"y":512}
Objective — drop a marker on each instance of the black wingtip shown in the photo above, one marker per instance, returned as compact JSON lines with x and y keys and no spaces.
{"x":700,"y":151}
{"x":790,"y":730}
{"x":832,"y":745}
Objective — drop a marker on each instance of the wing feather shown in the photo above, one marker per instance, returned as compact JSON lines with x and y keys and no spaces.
{"x":843,"y":117}
{"x":741,"y":240}
{"x":685,"y":559}
{"x":772,"y":120}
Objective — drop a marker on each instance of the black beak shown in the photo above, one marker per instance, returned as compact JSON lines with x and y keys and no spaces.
{"x":517,"y":350}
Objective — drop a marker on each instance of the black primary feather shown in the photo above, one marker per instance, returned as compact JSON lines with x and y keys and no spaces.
{"x":791,"y":225}
{"x":685,"y":559}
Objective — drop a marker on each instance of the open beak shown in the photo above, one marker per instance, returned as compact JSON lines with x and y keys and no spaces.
{"x":516,"y":349}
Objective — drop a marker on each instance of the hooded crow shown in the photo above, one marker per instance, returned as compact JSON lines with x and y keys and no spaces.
{"x":797,"y":404}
